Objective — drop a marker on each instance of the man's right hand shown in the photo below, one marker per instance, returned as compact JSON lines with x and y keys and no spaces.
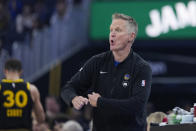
{"x":79,"y":101}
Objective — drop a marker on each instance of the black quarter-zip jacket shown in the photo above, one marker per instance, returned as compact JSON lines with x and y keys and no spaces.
{"x":124,"y":91}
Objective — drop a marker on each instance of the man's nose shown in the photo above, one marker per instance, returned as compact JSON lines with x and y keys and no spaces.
{"x":112,"y":35}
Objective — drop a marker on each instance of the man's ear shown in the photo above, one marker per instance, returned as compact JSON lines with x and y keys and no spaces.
{"x":132,"y":37}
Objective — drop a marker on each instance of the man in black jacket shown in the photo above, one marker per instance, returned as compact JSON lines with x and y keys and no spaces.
{"x":117,"y":82}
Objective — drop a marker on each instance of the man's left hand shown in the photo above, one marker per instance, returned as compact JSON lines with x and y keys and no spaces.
{"x":93,"y":99}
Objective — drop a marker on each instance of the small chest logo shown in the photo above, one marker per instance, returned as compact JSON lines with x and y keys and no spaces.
{"x":125,"y":84}
{"x":126,"y":77}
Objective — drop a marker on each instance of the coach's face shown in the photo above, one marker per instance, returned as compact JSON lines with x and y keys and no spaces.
{"x":119,"y":35}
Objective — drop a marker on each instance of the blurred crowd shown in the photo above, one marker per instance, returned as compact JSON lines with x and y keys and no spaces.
{"x":38,"y":32}
{"x":19,"y":18}
{"x":61,"y":119}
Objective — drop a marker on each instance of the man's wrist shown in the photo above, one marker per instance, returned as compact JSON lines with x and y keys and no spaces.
{"x":71,"y":99}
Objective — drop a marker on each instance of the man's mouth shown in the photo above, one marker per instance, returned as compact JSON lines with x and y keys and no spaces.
{"x":112,"y":42}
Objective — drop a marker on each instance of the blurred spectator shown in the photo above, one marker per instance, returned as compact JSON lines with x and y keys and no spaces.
{"x":15,"y":8}
{"x":50,"y":5}
{"x":4,"y":27}
{"x":52,"y":106}
{"x":156,"y":118}
{"x":71,"y":126}
{"x":61,"y":13}
{"x":83,"y":116}
{"x":58,"y":127}
{"x":61,"y":7}
{"x":41,"y":14}
{"x":61,"y":28}
{"x":86,"y":117}
{"x":4,"y":20}
{"x":24,"y":21}
{"x":54,"y":117}
{"x":57,"y":122}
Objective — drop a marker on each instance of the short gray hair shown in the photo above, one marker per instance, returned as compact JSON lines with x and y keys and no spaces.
{"x":132,"y":24}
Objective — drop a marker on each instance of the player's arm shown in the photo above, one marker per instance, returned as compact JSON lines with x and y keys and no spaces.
{"x":37,"y":106}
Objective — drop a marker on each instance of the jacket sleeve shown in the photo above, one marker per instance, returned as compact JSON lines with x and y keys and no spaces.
{"x":140,"y":94}
{"x":80,"y":83}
